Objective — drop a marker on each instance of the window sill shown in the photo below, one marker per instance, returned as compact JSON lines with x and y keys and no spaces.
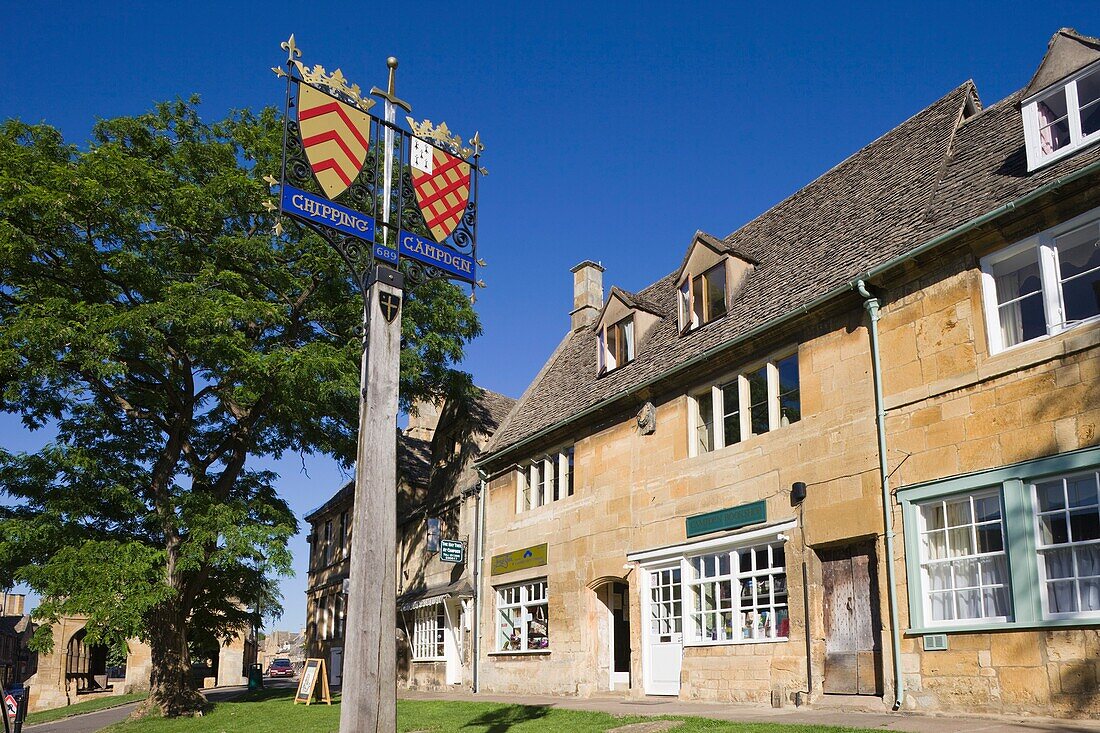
{"x":985,"y":628}
{"x":1038,"y":342}
{"x":527,"y":653}
{"x":735,"y":642}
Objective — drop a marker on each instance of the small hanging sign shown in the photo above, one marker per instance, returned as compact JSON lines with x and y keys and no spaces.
{"x":452,"y":551}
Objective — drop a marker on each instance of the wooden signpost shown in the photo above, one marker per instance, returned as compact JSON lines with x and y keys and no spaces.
{"x":311,"y":673}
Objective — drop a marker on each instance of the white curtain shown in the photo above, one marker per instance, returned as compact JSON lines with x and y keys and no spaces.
{"x":1012,"y":326}
{"x":1061,"y":594}
{"x":1088,"y":563}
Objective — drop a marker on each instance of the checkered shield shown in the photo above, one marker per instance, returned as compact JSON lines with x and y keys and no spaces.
{"x":442,"y":185}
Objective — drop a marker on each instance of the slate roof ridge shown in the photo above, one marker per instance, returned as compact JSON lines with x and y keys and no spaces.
{"x":945,"y":164}
{"x":1038,"y":82}
{"x":850,"y":160}
{"x":632,"y":300}
{"x":722,"y":245}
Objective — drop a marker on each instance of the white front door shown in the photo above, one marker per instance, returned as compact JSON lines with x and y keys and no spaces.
{"x":451,"y":641}
{"x":664,"y":631}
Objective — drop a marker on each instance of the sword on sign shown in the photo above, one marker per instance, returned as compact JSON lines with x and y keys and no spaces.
{"x":392,"y":103}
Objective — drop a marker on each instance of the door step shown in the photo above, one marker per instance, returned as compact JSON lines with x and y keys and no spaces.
{"x":860,"y":703}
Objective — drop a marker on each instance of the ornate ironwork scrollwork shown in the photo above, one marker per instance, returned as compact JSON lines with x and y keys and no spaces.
{"x":463,"y":237}
{"x":418,"y":273}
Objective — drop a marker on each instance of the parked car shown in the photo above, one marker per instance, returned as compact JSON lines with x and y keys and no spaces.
{"x":280,"y":668}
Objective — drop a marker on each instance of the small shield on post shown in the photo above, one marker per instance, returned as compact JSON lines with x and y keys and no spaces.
{"x":390,"y":305}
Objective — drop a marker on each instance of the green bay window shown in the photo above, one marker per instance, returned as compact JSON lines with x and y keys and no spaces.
{"x":1011,"y":547}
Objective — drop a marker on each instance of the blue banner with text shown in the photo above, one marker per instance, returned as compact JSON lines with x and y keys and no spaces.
{"x":459,"y":265}
{"x":313,"y":208}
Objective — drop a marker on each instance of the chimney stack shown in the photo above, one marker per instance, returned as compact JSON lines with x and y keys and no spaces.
{"x":587,"y":293}
{"x":13,"y":604}
{"x":422,"y":425}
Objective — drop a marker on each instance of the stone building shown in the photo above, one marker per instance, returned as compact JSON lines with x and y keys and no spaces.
{"x":75,"y":671}
{"x":847,"y":452}
{"x":438,"y":504}
{"x":17,"y":661}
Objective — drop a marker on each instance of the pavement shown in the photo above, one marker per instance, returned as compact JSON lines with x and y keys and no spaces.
{"x":909,"y":722}
{"x":92,"y":722}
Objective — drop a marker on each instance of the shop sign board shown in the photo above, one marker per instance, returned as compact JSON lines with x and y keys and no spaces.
{"x":528,"y":557}
{"x":452,"y":551}
{"x":729,"y":518}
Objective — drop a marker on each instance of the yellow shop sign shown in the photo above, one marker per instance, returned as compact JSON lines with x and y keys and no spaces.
{"x":528,"y":557}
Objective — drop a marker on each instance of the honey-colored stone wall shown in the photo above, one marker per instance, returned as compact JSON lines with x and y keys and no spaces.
{"x":633,"y":492}
{"x":952,"y":408}
{"x":48,"y":685}
{"x":955,"y":408}
{"x":419,"y":568}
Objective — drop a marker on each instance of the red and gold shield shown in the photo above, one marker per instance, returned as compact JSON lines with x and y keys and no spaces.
{"x":443,"y":192}
{"x":335,"y":137}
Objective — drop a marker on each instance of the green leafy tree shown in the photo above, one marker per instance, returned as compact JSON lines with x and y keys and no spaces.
{"x":148,"y":315}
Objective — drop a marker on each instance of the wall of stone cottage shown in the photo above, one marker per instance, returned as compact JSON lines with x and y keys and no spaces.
{"x":633,"y":493}
{"x":955,"y":408}
{"x":419,"y":568}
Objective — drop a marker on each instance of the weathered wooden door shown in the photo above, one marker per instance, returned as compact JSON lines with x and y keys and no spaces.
{"x":853,"y":656}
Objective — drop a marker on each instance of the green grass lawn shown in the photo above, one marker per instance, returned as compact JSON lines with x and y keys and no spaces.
{"x":99,"y":703}
{"x":272,"y":711}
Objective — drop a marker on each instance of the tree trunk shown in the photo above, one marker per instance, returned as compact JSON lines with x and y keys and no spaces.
{"x":172,"y":690}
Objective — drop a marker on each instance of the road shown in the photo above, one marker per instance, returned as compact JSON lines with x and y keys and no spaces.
{"x":92,"y":722}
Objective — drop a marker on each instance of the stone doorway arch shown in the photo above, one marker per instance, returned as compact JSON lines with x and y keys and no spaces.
{"x":85,"y":665}
{"x":612,"y":652}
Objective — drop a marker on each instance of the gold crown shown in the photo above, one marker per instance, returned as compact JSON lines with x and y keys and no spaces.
{"x":334,"y":83}
{"x":443,"y":135}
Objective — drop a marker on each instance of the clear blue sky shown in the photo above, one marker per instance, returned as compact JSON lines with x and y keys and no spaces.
{"x":613,"y":130}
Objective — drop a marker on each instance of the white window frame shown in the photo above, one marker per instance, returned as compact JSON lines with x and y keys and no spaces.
{"x":607,"y":361}
{"x":925,"y":561}
{"x":1077,"y":140}
{"x":525,"y":603}
{"x":717,"y":404}
{"x":544,"y":480}
{"x":1049,"y":274}
{"x":687,"y":318}
{"x":429,"y":627}
{"x":691,"y":579}
{"x":1071,"y":545}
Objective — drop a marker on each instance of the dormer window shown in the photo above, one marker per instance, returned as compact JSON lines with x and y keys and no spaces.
{"x":626,"y":321}
{"x":1063,"y":120}
{"x":617,"y":344}
{"x":703,"y":298}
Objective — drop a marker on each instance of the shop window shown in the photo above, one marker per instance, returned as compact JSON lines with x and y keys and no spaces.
{"x":738,"y":596}
{"x":1043,"y":285}
{"x":429,"y":625}
{"x":544,"y":480}
{"x":522,"y":618}
{"x":754,"y":402}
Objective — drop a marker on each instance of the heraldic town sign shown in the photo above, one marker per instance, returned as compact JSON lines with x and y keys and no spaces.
{"x":354,"y":178}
